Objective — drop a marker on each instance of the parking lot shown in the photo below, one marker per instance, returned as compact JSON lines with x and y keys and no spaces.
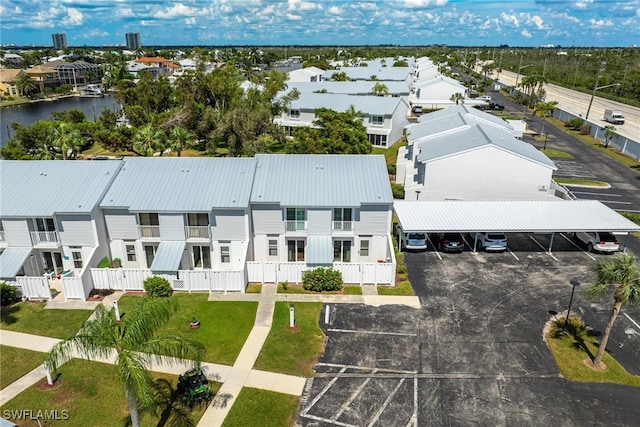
{"x":474,"y":353}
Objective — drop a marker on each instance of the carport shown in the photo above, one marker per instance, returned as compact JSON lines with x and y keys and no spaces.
{"x":511,"y":216}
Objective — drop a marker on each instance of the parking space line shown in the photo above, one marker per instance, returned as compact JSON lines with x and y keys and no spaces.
{"x":632,"y":321}
{"x":372,"y":332}
{"x":611,"y":201}
{"x":512,"y":254}
{"x":325,"y":420}
{"x":414,"y":417}
{"x":434,"y":247}
{"x":385,"y":404}
{"x":323,"y":391}
{"x":356,"y":392}
{"x":578,"y":247}
{"x":597,"y":194}
{"x":543,"y":248}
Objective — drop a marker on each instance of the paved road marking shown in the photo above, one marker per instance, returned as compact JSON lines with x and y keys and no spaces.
{"x":632,"y":321}
{"x":436,"y":376}
{"x":372,"y":332}
{"x":380,"y":410}
{"x":578,"y":247}
{"x":597,"y":194}
{"x":356,"y":392}
{"x":513,"y":255}
{"x":543,"y":248}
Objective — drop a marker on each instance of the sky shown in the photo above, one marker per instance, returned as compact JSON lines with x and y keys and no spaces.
{"x":603,"y":23}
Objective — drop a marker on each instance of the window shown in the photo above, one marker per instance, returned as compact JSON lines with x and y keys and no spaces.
{"x":364,"y":248}
{"x":342,"y":250}
{"x":376,"y":120}
{"x":76,"y":255}
{"x":295,"y":250}
{"x":45,"y":224}
{"x":378,"y":140}
{"x":294,"y":114}
{"x":130,"y":249}
{"x":296,"y":219}
{"x":201,"y":256}
{"x":148,"y":218}
{"x":342,"y":219}
{"x":273,"y":246}
{"x":198,"y":219}
{"x":150,"y":252}
{"x":225,"y":252}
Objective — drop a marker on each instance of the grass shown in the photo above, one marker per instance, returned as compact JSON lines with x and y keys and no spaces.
{"x":32,"y":318}
{"x":298,"y":289}
{"x":571,"y":349}
{"x":556,"y":154}
{"x":254,"y":288}
{"x":91,"y":395}
{"x":293,"y":352}
{"x":16,"y":362}
{"x":578,"y":181}
{"x":225,"y":325}
{"x":15,"y":101}
{"x":403,"y":289}
{"x":97,"y":150}
{"x":263,"y":408}
{"x":390,"y":154}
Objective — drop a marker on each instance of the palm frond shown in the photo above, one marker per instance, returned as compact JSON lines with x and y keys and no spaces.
{"x":142,"y":324}
{"x":177,"y":347}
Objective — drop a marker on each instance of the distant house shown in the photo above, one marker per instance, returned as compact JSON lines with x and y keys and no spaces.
{"x":156,"y":65}
{"x":8,"y":78}
{"x":462,"y":153}
{"x":12,"y":60}
{"x":388,"y":73}
{"x":76,"y":73}
{"x":363,"y":88}
{"x":309,"y":74}
{"x":50,"y":225}
{"x":436,"y":92}
{"x":43,"y":76}
{"x":384,"y":117}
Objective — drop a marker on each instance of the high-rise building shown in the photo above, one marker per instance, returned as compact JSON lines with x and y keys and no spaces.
{"x":59,"y":40}
{"x":133,"y":41}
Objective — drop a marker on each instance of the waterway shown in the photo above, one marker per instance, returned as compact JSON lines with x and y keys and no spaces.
{"x":26,"y":114}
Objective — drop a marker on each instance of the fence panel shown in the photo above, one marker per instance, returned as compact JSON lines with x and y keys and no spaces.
{"x":120,"y":279}
{"x":262,"y":271}
{"x":33,"y":287}
{"x":291,"y":272}
{"x":72,"y":288}
{"x":351,"y":273}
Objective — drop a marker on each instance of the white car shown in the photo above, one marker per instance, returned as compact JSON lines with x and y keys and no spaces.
{"x":600,"y":241}
{"x":491,"y":242}
{"x":486,"y":98}
{"x":412,"y":241}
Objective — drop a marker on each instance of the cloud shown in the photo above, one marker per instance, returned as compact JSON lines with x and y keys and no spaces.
{"x":190,"y":21}
{"x":95,"y":33}
{"x":293,"y":17}
{"x":600,"y":23}
{"x":300,"y":5}
{"x":335,"y":10}
{"x":418,"y":4}
{"x":510,"y":19}
{"x":582,"y":4}
{"x":124,"y":12}
{"x":526,"y":34}
{"x":74,"y":17}
{"x":538,"y":22}
{"x":177,"y":10}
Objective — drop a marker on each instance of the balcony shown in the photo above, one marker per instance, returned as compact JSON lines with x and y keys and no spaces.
{"x":343,"y":226}
{"x":296,"y":226}
{"x":197,"y":232}
{"x":149,"y":231}
{"x":48,"y":238}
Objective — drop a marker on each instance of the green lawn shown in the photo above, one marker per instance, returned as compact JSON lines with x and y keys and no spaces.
{"x":577,"y":181}
{"x":225,"y":325}
{"x":32,"y":318}
{"x":298,"y":289}
{"x":262,"y":408}
{"x":403,"y":288}
{"x":556,"y":154}
{"x":16,"y":362}
{"x":293,"y":352}
{"x":91,"y":395}
{"x":570,"y":352}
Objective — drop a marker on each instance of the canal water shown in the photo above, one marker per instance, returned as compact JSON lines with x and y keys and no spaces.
{"x":26,"y":114}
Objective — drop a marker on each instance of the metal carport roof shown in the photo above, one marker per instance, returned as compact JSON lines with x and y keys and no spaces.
{"x":542,"y":216}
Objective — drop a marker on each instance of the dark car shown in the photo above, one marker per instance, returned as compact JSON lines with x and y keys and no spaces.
{"x":451,"y":242}
{"x":496,"y":106}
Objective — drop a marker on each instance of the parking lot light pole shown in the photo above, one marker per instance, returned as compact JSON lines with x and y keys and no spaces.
{"x":545,"y":140}
{"x":593,"y":94}
{"x":574,"y":283}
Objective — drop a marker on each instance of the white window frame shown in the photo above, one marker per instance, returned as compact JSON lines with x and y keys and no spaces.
{"x":342,"y":250}
{"x":376,"y":120}
{"x":365,"y":248}
{"x":294,"y":114}
{"x":225,"y":252}
{"x":132,"y":256}
{"x":272,"y":246}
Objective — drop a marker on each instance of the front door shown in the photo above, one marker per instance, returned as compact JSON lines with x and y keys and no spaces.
{"x":52,"y":261}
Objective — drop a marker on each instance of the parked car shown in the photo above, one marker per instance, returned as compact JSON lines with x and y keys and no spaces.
{"x":496,"y":106}
{"x":484,"y":98}
{"x":491,"y":242}
{"x":450,"y":242}
{"x":412,"y":241}
{"x":601,"y":241}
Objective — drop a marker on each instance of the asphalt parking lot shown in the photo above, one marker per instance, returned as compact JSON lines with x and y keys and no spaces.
{"x":474,"y":353}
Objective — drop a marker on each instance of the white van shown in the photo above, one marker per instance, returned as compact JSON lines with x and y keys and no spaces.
{"x":413,"y":241}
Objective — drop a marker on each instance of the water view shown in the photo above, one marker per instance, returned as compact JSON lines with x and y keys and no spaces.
{"x":27,"y":114}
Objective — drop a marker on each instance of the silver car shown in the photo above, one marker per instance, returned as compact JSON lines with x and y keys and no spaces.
{"x":491,"y":242}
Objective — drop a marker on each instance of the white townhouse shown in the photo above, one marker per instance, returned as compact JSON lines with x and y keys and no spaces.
{"x":461,"y":153}
{"x":373,"y":73}
{"x":436,"y":92}
{"x":384,"y":117}
{"x":308,"y":74}
{"x":51,"y":228}
{"x":322,"y":210}
{"x":360,"y":87}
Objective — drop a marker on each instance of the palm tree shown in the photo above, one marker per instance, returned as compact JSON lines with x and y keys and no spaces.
{"x":133,"y":344}
{"x":65,"y":137}
{"x":457,"y":97}
{"x":25,"y":84}
{"x":147,"y":141}
{"x":622,"y":274}
{"x":380,"y":89}
{"x":545,"y":108}
{"x":609,"y":134}
{"x":181,"y":139}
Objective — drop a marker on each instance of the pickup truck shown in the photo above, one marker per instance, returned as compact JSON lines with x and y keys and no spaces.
{"x":613,"y":116}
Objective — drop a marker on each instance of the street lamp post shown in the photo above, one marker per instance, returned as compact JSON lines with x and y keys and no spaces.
{"x":595,"y":88}
{"x":574,"y":283}
{"x":520,"y":67}
{"x":545,"y":140}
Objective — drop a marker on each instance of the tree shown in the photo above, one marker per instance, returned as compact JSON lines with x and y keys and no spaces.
{"x":380,"y":89}
{"x":622,"y":274}
{"x":147,"y":141}
{"x":545,"y":108}
{"x":609,"y":134}
{"x":134,"y":344}
{"x":65,"y":138}
{"x":181,"y":139}
{"x":457,"y":97}
{"x":340,"y":76}
{"x":25,"y":84}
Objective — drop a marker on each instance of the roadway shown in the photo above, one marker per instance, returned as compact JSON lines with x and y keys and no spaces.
{"x":576,"y":103}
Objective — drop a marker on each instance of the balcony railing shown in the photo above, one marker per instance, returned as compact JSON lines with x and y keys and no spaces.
{"x":197,"y":231}
{"x":342,"y":225}
{"x":45,"y":237}
{"x":149,"y":231}
{"x":3,"y":237}
{"x":296,"y":226}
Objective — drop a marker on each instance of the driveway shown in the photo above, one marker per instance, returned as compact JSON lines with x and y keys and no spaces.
{"x":473,"y":355}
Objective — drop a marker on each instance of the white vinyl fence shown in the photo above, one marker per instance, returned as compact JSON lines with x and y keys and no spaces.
{"x":352,"y":273}
{"x":33,"y":287}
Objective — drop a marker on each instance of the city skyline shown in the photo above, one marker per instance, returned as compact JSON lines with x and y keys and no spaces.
{"x":531,"y":23}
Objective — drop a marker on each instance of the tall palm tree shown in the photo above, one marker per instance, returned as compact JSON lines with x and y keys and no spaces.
{"x":133,"y":344}
{"x":545,"y":108}
{"x":622,"y":274}
{"x":147,"y":141}
{"x":457,"y":97}
{"x":65,"y":138}
{"x":25,"y":84}
{"x":181,"y":139}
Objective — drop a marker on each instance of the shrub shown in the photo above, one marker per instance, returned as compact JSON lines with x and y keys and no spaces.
{"x":585,"y":129}
{"x":104,"y":263}
{"x":8,"y":294}
{"x":574,"y":124}
{"x":322,"y":279}
{"x":157,"y":287}
{"x":398,"y":191}
{"x":391,"y":168}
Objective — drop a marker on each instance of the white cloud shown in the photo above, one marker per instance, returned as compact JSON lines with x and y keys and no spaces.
{"x":293,"y":17}
{"x":190,"y":21}
{"x":582,"y":4}
{"x":177,"y":10}
{"x":124,"y":13}
{"x":424,"y":3}
{"x":95,"y":33}
{"x":510,"y":19}
{"x":365,"y":6}
{"x":538,"y":22}
{"x":299,"y":5}
{"x":335,"y":10}
{"x":526,"y":34}
{"x":74,"y":17}
{"x":600,"y":23}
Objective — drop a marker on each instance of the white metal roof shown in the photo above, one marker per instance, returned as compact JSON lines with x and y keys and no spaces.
{"x":510,"y":216}
{"x":381,"y":105}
